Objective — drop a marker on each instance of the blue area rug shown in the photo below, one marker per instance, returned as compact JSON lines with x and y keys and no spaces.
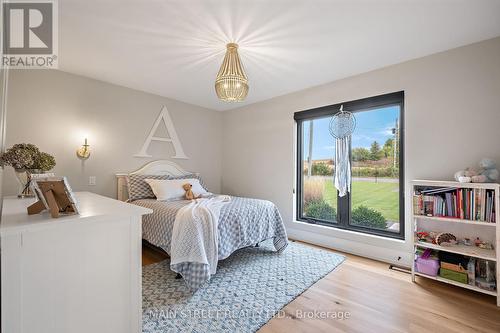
{"x":250,"y":286}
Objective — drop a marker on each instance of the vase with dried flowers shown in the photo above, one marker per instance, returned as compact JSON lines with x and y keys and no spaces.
{"x":26,"y":159}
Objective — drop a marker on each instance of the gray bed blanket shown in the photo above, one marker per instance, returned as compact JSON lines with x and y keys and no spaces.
{"x":243,"y":222}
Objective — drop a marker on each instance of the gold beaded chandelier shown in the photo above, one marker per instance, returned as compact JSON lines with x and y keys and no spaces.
{"x":231,"y":84}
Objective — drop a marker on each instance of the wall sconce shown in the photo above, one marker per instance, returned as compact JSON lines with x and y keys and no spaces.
{"x":83,"y":152}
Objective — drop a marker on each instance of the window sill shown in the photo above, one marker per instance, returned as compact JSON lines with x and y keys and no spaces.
{"x":390,"y":250}
{"x":351,"y":235}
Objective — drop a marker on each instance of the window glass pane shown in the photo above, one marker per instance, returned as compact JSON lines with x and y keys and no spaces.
{"x":375,"y":169}
{"x":319,"y":196}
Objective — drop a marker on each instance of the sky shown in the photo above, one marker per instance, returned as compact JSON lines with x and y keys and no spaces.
{"x":373,"y":125}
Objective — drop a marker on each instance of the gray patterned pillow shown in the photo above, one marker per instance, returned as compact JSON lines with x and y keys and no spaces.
{"x":139,"y":189}
{"x":191,"y":175}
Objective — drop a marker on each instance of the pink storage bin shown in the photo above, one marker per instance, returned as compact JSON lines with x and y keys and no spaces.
{"x":427,"y":266}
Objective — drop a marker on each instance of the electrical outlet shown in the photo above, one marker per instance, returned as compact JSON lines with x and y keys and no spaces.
{"x":92,"y":180}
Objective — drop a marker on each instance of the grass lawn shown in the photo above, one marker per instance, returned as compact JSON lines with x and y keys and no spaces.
{"x":383,"y":197}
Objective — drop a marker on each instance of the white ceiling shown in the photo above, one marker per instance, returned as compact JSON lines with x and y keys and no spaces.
{"x":174,"y":48}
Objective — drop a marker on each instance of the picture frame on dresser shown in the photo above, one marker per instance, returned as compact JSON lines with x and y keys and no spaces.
{"x":53,"y":194}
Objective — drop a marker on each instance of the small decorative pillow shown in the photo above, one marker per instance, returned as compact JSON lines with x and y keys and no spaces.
{"x":139,"y":189}
{"x":171,"y":189}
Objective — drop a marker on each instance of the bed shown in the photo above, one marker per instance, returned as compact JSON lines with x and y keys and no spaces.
{"x":243,"y":222}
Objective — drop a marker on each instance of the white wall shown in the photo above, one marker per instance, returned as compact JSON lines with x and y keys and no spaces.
{"x":452,"y":119}
{"x":53,"y":110}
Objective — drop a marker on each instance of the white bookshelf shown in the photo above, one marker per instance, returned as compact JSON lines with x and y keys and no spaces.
{"x":459,"y":227}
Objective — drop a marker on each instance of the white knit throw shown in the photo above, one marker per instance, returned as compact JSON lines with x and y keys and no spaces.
{"x":195,"y":232}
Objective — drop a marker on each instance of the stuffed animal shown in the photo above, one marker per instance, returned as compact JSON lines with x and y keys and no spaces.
{"x":189,"y":195}
{"x":486,"y":173}
{"x":489,"y":170}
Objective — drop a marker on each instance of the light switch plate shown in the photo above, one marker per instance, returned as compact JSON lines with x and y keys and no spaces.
{"x":92,"y":180}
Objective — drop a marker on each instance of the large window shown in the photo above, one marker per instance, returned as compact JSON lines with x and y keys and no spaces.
{"x":375,"y":203}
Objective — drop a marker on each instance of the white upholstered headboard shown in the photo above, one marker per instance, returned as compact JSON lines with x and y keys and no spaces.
{"x":159,"y":167}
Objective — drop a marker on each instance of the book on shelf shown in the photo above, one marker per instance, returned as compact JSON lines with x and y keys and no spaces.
{"x":475,"y":204}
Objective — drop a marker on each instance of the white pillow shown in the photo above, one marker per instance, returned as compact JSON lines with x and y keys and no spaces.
{"x":171,"y":189}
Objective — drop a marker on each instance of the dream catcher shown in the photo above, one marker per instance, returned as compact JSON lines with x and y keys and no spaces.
{"x":342,"y":126}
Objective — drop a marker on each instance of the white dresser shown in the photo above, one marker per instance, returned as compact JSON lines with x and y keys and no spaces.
{"x":78,"y":273}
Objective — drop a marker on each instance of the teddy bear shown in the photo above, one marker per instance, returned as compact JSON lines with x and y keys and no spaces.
{"x":486,"y":173}
{"x":189,"y":195}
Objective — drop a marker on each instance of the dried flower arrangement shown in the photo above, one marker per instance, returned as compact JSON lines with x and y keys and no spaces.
{"x":27,"y":156}
{"x":26,"y":159}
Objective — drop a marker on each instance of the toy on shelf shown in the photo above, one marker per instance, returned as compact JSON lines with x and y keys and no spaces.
{"x":467,"y":242}
{"x":427,"y":236}
{"x":427,"y":263}
{"x":483,"y":245}
{"x":486,"y":173}
{"x":485,"y":275}
{"x":471,"y":271}
{"x":423,"y":236}
{"x":486,"y":246}
{"x":446,"y":239}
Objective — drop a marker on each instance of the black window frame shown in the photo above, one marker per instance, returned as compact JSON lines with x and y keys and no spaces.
{"x":344,"y":203}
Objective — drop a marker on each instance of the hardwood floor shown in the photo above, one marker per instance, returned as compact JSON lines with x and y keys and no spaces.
{"x":378,"y":299}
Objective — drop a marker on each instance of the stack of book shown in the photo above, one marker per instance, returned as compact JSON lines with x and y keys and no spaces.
{"x":465,"y":203}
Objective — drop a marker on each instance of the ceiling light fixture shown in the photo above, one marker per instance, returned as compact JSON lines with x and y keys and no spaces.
{"x":231,"y":84}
